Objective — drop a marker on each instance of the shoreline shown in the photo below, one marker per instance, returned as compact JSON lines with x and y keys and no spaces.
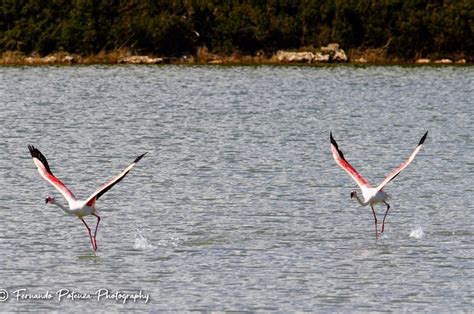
{"x":312,"y":57}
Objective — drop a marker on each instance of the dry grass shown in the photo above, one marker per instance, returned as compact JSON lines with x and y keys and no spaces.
{"x":370,"y":55}
{"x":12,"y":57}
{"x":18,"y":58}
{"x":202,"y":56}
{"x":103,"y":57}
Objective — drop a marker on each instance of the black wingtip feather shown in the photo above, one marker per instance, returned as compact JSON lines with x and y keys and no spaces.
{"x":139,"y":157}
{"x":110,"y":186}
{"x":35,"y":153}
{"x":423,"y":138}
{"x":333,"y":142}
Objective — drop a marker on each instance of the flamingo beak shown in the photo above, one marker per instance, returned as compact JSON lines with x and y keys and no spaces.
{"x":352,"y":194}
{"x":46,"y":200}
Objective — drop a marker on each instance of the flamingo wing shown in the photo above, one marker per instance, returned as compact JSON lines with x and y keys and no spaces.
{"x":107,"y":186}
{"x":43,"y":168}
{"x":342,"y":162}
{"x":405,"y":164}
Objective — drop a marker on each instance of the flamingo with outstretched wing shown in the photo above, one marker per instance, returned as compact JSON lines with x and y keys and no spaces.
{"x":78,"y":208}
{"x":371,"y":195}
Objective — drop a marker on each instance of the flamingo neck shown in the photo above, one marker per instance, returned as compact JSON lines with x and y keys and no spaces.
{"x":361,"y":202}
{"x":64,"y":208}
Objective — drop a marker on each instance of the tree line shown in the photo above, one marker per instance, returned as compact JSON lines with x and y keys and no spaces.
{"x":407,"y":29}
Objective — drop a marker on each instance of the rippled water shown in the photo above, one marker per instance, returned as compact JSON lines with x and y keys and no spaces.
{"x":238,"y":204}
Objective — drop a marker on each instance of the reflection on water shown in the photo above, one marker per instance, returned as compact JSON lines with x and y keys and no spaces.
{"x":239,"y":204}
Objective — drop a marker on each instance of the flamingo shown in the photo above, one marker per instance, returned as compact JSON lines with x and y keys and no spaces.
{"x":371,"y":195}
{"x":78,"y":208}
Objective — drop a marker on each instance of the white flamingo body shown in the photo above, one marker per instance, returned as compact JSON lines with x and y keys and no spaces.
{"x":75,"y":207}
{"x":371,"y":195}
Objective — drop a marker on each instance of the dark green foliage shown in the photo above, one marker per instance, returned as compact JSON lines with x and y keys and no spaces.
{"x":407,"y":28}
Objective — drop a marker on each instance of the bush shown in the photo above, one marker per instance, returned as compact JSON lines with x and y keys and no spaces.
{"x":173,"y":28}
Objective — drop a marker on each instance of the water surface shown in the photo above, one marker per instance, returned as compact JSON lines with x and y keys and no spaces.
{"x":238,"y":204}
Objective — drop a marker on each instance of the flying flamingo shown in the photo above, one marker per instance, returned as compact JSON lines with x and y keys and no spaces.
{"x":371,"y":195}
{"x":77,"y":208}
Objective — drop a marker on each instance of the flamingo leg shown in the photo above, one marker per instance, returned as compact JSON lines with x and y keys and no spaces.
{"x":90,"y":235}
{"x":96,"y":228}
{"x":386,"y":212}
{"x":375,"y":222}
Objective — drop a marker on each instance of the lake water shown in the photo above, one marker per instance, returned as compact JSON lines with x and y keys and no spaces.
{"x":238,"y":204}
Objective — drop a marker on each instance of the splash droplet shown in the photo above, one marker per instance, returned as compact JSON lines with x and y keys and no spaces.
{"x":417,"y":233}
{"x":141,"y":242}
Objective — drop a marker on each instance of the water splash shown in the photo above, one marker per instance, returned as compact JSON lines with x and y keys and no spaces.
{"x":417,"y":233}
{"x":171,"y":242}
{"x":141,"y":242}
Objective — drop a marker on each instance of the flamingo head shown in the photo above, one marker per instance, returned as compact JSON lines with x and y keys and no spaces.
{"x":353,"y":194}
{"x":49,"y":200}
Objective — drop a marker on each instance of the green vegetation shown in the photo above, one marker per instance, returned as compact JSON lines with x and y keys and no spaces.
{"x":406,"y":29}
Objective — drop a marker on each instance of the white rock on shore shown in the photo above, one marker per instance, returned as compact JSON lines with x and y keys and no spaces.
{"x":330,"y":53}
{"x":423,"y":61}
{"x":288,"y":56}
{"x":140,"y":60}
{"x":43,"y":60}
{"x":444,"y":61}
